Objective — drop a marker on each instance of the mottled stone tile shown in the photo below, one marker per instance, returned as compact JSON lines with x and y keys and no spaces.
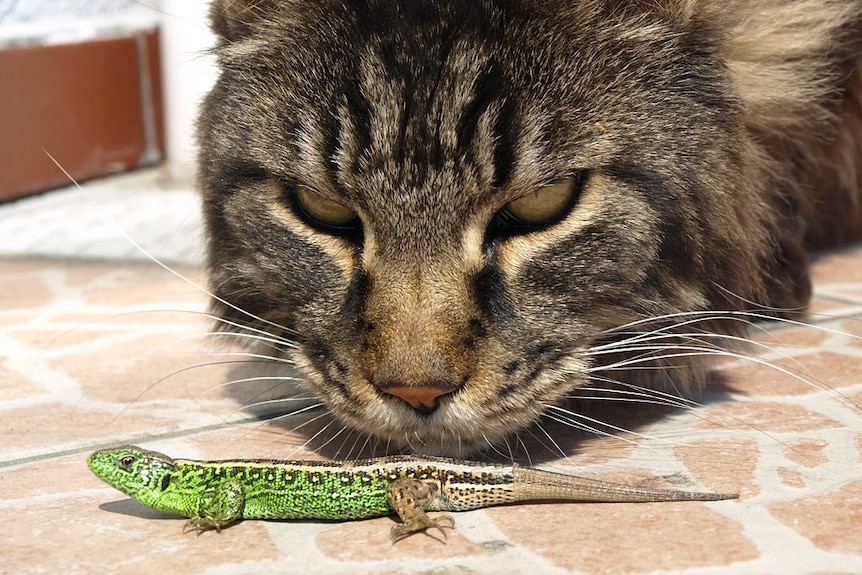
{"x":723,"y":466}
{"x":40,"y":427}
{"x":807,"y":452}
{"x":830,"y":521}
{"x":791,"y":478}
{"x":358,"y":540}
{"x":802,"y":375}
{"x":627,"y":538}
{"x":107,"y":533}
{"x":765,"y":417}
{"x":840,"y":266}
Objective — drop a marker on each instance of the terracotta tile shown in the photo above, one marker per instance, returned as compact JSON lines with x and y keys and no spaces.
{"x":723,"y":466}
{"x":26,"y":292}
{"x":111,"y":534}
{"x":626,"y":538}
{"x":16,"y":386}
{"x":831,"y":521}
{"x":141,"y":288}
{"x":765,"y":417}
{"x":853,"y":328}
{"x":259,"y":440}
{"x":787,"y":339}
{"x":807,"y":452}
{"x":47,"y":426}
{"x":107,"y":385}
{"x":358,"y":540}
{"x":131,"y":367}
{"x":58,"y":476}
{"x":824,"y":370}
{"x":14,"y":268}
{"x":791,"y":478}
{"x":837,"y":267}
{"x":823,"y":307}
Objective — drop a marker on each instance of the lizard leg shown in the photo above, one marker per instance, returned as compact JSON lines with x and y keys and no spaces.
{"x":218,"y":507}
{"x":408,"y":497}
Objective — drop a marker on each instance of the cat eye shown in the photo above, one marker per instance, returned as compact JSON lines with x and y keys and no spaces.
{"x":323,"y":212}
{"x":546,"y":205}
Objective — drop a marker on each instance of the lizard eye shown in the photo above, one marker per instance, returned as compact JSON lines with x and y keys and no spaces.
{"x":127,"y":461}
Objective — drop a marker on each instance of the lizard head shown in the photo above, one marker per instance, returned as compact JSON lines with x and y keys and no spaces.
{"x":141,"y":474}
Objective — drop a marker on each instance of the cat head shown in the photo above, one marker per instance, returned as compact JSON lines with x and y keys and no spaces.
{"x":447,"y":205}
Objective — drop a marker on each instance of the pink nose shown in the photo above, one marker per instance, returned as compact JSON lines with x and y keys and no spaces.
{"x":422,"y":399}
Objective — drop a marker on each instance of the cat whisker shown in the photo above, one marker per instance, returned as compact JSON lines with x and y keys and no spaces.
{"x":526,"y":449}
{"x":493,"y":446}
{"x":689,"y":317}
{"x":248,"y":355}
{"x":277,"y":378}
{"x":281,"y":414}
{"x":630,"y":364}
{"x":749,"y":303}
{"x":161,"y":264}
{"x":751,"y":319}
{"x":575,"y":420}
{"x":310,"y":440}
{"x":624,"y":396}
{"x":353,"y":448}
{"x":692,"y":406}
{"x":555,"y":446}
{"x":708,"y":340}
{"x":337,"y":453}
{"x":642,"y":361}
{"x":265,"y":338}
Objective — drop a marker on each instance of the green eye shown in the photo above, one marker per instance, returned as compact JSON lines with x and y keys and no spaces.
{"x":323,"y":211}
{"x":546,"y":204}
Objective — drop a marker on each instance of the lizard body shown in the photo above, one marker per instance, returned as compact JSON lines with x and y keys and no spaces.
{"x":214,"y":494}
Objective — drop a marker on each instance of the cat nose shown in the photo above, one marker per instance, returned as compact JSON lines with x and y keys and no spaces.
{"x":425,"y":400}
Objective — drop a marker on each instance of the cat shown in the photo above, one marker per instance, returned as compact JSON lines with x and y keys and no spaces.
{"x":450,"y":215}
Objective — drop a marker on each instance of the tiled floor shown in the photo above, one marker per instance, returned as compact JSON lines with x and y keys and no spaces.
{"x":99,"y":348}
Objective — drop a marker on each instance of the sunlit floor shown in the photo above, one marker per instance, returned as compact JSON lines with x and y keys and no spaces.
{"x":101,"y":347}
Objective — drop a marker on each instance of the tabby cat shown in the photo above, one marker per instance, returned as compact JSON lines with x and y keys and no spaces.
{"x":450,"y":215}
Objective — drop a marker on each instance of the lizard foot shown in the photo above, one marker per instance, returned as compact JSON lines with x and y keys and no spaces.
{"x":201,"y":524}
{"x":422,"y":523}
{"x":218,"y":507}
{"x":409,"y":498}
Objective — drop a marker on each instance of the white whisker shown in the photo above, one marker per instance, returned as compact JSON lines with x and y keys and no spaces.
{"x":157,"y":261}
{"x":569,"y":417}
{"x":555,"y":446}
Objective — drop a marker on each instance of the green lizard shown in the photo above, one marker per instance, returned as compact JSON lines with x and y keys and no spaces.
{"x":214,"y":494}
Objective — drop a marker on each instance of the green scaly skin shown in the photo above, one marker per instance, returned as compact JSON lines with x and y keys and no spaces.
{"x":214,"y":494}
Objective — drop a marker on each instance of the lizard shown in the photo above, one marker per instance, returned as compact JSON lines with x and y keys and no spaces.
{"x":215,"y":494}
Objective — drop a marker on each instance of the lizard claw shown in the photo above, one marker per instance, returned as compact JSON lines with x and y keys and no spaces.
{"x":201,"y":524}
{"x":422,"y":523}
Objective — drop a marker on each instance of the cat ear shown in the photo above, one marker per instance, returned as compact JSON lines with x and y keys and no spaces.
{"x":234,"y":20}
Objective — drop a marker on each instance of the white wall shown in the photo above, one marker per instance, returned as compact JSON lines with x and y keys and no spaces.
{"x":59,"y":21}
{"x":188,"y":74}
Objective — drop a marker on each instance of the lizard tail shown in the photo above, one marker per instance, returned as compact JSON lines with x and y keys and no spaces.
{"x":537,"y":485}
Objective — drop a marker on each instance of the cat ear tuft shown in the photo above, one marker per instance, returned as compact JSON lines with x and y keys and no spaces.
{"x":234,"y":20}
